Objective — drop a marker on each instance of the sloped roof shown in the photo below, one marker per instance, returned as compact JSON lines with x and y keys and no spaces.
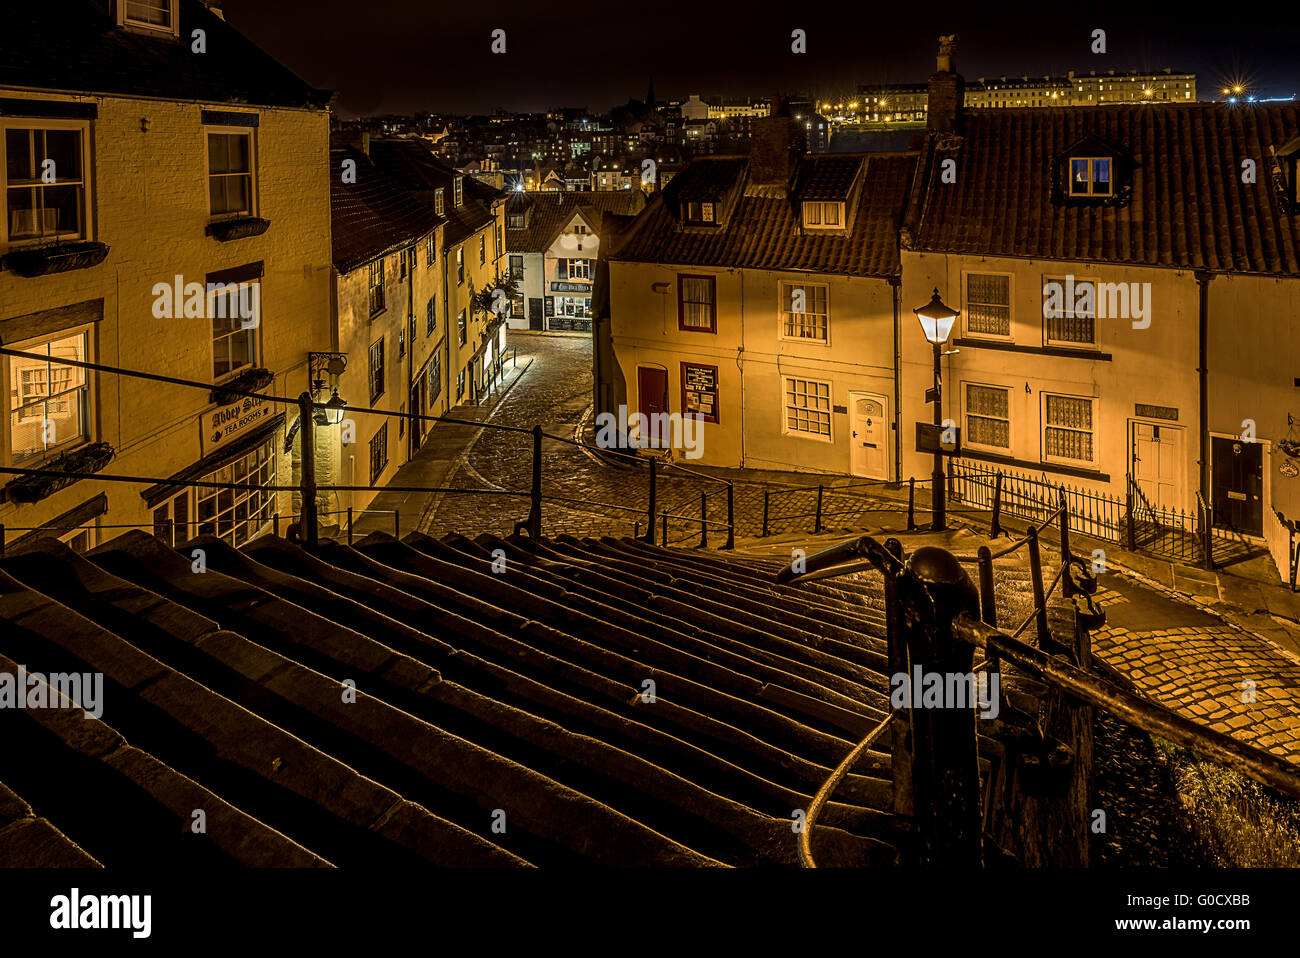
{"x":373,"y":216}
{"x":414,"y":166}
{"x":1188,"y":209}
{"x":548,"y":213}
{"x":764,"y":232}
{"x":230,"y":692}
{"x":74,"y":45}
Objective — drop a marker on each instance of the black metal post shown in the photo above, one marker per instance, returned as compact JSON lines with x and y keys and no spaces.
{"x":997,"y":505}
{"x":535,"y":507}
{"x":275,"y":525}
{"x":766,"y":494}
{"x":731,"y":516}
{"x":1208,"y":548}
{"x":1128,"y":505}
{"x":939,"y":489}
{"x":650,"y":509}
{"x":911,"y":504}
{"x":932,"y":590}
{"x":309,"y":529}
{"x":988,"y":602}
{"x":349,"y":525}
{"x":901,"y":767}
{"x":169,"y":532}
{"x":817,"y":522}
{"x":1036,"y":577}
{"x":704,"y":520}
{"x":397,"y":523}
{"x":1067,"y":587}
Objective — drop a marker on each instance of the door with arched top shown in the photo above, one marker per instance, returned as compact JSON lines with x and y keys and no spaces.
{"x":868,"y":436}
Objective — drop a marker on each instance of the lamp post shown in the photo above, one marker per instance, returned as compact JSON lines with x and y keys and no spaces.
{"x":936,"y":323}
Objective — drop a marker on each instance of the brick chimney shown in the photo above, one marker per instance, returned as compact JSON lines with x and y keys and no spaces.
{"x":776,"y":142}
{"x":947,"y":90}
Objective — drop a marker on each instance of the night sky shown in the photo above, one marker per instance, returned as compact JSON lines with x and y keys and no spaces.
{"x":400,"y":56}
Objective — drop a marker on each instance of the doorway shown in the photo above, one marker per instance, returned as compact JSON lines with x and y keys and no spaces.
{"x":1237,"y":484}
{"x":869,"y":440}
{"x":652,"y":397}
{"x":1157,"y":464}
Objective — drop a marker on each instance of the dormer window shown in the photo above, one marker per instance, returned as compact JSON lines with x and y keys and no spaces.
{"x":459,"y":191}
{"x":700,"y":212}
{"x":439,"y":205}
{"x":823,"y":216}
{"x":1090,"y":176}
{"x":516,"y":221}
{"x":156,"y":16}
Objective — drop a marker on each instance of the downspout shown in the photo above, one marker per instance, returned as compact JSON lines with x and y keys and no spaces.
{"x":740,"y":368}
{"x":896,"y":283}
{"x":1203,"y":376}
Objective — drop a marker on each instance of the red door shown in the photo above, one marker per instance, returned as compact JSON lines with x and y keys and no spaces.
{"x":652,"y":390}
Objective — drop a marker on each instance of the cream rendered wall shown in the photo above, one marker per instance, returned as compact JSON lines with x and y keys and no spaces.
{"x":752,"y":360}
{"x":1156,"y":365}
{"x":150,"y":206}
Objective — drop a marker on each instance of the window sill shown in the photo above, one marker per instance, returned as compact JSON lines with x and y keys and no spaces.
{"x":59,"y":258}
{"x":250,"y":380}
{"x":1062,"y":351}
{"x":226,"y":230}
{"x":89,"y":458}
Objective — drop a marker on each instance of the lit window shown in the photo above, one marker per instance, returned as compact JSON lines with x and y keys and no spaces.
{"x":50,"y":402}
{"x":462,"y":330}
{"x":988,"y":417}
{"x":430,"y":256}
{"x":696,"y":303}
{"x":988,"y":304}
{"x":805,"y":311}
{"x":376,"y":369}
{"x":824,"y":216}
{"x":376,"y":283}
{"x":460,"y":265}
{"x":230,"y":173}
{"x":428,"y":316}
{"x":157,"y":15}
{"x":459,"y":191}
{"x":1068,"y":428}
{"x":439,"y":204}
{"x":579,"y":269}
{"x":237,"y":515}
{"x":808,"y":408}
{"x":1090,"y":176}
{"x":378,"y":452}
{"x":1070,"y":308}
{"x":35,"y":210}
{"x":236,"y":316}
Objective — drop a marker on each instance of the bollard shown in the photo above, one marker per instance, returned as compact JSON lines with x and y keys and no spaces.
{"x":933,"y":589}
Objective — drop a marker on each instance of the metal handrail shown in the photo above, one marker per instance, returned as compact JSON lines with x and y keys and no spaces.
{"x":824,"y":793}
{"x":1036,"y":529}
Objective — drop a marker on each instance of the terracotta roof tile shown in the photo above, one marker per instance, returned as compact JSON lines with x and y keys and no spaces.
{"x":373,"y":216}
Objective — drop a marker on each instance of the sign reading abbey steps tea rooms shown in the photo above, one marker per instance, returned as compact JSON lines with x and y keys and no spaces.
{"x":228,"y":423}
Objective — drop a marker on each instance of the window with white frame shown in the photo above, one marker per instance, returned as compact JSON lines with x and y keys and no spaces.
{"x":378,"y":452}
{"x":434,"y":387}
{"x":1090,"y":176}
{"x":988,"y":416}
{"x":376,"y":369}
{"x":159,"y":15}
{"x":697,"y":306}
{"x":237,"y":515}
{"x":482,"y":248}
{"x":822,"y":215}
{"x":516,"y":266}
{"x":429,"y":309}
{"x":459,"y":188}
{"x":236,"y":310}
{"x":805,"y":311}
{"x":49,"y":402}
{"x":430,"y":255}
{"x":375,"y":283}
{"x":462,"y":328}
{"x":1068,"y":428}
{"x":460,"y":265}
{"x":1070,"y":310}
{"x":579,"y":269}
{"x":808,"y":408}
{"x":43,"y":169}
{"x":988,"y":304}
{"x":230,"y":172}
{"x":439,"y":204}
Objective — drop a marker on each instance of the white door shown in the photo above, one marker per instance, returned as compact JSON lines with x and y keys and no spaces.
{"x":869,"y":437}
{"x":1157,"y":464}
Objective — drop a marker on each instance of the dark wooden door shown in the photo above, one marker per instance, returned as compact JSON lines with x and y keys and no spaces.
{"x":535,"y":312}
{"x":1238,"y":493}
{"x":652,"y":394}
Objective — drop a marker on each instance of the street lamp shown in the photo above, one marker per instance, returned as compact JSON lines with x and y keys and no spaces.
{"x":936,"y":322}
{"x":330,"y":413}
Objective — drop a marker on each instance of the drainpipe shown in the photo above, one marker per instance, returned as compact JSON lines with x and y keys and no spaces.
{"x":896,"y":283}
{"x":1203,"y":374}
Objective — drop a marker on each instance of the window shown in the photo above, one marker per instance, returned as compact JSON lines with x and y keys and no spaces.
{"x":696,"y":305}
{"x":700,"y":212}
{"x":401,"y":342}
{"x":805,"y":311}
{"x":823,"y":216}
{"x":1070,"y":308}
{"x":430,"y":255}
{"x":482,"y":249}
{"x":460,"y":265}
{"x":568,"y":306}
{"x":459,"y":191}
{"x":516,"y":221}
{"x":434,"y":379}
{"x":159,"y":15}
{"x":1090,"y":176}
{"x":34,"y":210}
{"x":236,"y":315}
{"x":460,"y":384}
{"x":439,"y":205}
{"x":49,"y":402}
{"x":516,"y":266}
{"x":988,"y":417}
{"x":376,"y":287}
{"x":582,"y":230}
{"x":808,"y":408}
{"x":579,"y":269}
{"x":517,"y":306}
{"x":462,"y":331}
{"x":988,"y":304}
{"x":401,"y":263}
{"x":237,"y":515}
{"x":378,"y":452}
{"x":1067,"y":428}
{"x":376,"y":369}
{"x":428,"y":316}
{"x":230,"y":173}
